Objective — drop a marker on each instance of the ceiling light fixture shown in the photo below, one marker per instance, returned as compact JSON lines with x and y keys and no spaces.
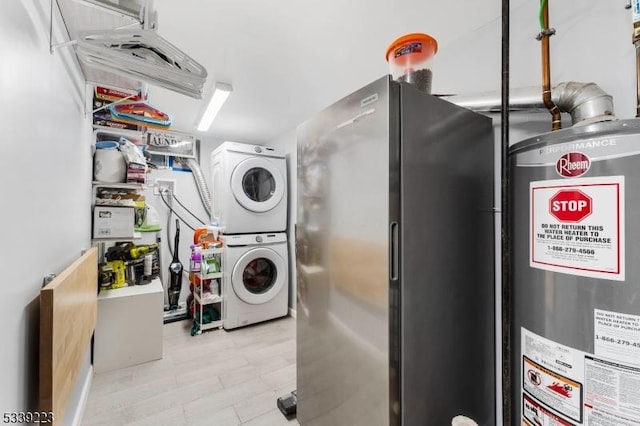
{"x":220,"y":95}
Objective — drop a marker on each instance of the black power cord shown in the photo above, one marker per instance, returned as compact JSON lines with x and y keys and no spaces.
{"x":174,"y":212}
{"x":188,"y":211}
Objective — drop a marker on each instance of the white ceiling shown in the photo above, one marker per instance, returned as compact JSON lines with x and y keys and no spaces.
{"x":288,"y":59}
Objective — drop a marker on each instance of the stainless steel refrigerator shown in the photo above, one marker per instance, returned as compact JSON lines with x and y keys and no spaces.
{"x":395,"y":261}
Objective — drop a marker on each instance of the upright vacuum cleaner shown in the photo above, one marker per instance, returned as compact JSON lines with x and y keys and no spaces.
{"x":175,"y":273}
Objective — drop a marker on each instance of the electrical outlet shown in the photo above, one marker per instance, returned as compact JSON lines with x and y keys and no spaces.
{"x":164,"y":186}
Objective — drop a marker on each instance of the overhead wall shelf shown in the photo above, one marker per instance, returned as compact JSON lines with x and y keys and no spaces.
{"x":129,"y":10}
{"x":116,"y":45}
{"x":73,"y":16}
{"x":144,"y":55}
{"x":137,"y":186}
{"x":101,"y":14}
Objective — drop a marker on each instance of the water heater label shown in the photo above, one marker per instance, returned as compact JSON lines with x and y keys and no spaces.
{"x":535,"y":414}
{"x":612,"y":397}
{"x":617,"y":336}
{"x":565,"y":386}
{"x":552,"y":389}
{"x":577,"y":226}
{"x":552,"y":381}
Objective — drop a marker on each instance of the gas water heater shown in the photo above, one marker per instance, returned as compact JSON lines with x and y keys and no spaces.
{"x":575,"y":283}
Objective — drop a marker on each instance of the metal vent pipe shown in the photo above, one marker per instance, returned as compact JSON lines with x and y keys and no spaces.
{"x":584,"y":101}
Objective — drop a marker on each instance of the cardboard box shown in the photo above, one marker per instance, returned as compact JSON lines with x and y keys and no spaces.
{"x":103,"y":117}
{"x":113,"y":222}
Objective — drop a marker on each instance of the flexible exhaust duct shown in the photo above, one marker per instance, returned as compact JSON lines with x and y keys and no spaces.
{"x":586,"y":102}
{"x":201,"y":184}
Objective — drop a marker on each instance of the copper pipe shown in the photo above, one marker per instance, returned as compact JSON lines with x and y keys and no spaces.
{"x":556,"y":123}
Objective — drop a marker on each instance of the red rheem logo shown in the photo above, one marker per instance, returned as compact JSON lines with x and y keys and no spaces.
{"x":573,"y":164}
{"x":570,"y":205}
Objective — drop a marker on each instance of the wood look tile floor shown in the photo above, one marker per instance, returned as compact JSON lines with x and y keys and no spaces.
{"x":218,"y":378}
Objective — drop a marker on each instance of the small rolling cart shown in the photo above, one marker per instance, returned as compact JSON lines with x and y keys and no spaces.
{"x":205,"y":280}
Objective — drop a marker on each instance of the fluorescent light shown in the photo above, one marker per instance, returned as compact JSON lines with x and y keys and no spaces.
{"x":220,"y":95}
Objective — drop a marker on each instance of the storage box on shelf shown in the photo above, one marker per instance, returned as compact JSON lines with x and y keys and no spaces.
{"x":103,"y":98}
{"x":102,"y":133}
{"x":116,"y":210}
{"x":113,"y":222}
{"x":205,"y":275}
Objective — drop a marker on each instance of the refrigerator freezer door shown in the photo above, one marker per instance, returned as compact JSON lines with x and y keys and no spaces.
{"x":447,"y":262}
{"x":343,"y":262}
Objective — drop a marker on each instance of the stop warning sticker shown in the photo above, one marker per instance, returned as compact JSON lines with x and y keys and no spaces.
{"x":577,"y":226}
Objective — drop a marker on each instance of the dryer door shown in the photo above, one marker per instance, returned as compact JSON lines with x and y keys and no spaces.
{"x":258,"y":276}
{"x":257,"y":184}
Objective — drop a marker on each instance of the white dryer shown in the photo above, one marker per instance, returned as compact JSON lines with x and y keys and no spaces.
{"x":249,"y":184}
{"x":255,"y":283}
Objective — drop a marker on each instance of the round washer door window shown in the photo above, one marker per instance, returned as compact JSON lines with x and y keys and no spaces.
{"x":257,"y":184}
{"x":258,"y":276}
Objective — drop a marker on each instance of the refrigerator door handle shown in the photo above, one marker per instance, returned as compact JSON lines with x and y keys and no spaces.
{"x":393,"y":251}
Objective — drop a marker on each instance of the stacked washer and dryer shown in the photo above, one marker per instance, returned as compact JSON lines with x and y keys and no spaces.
{"x":249,"y":203}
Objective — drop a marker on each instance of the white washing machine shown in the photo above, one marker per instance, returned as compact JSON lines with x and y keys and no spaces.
{"x":255,"y":282}
{"x":249,"y":184}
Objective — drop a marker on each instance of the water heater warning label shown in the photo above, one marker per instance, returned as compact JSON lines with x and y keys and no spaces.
{"x":552,"y":381}
{"x":577,"y":226}
{"x":552,"y":389}
{"x":534,"y":414}
{"x":617,"y":336}
{"x":563,"y":386}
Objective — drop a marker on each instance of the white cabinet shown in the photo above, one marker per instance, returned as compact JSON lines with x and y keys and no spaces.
{"x":207,"y":291}
{"x":129,"y":327}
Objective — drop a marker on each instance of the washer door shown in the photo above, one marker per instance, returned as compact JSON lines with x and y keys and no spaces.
{"x":258,"y":276}
{"x":257,"y":184}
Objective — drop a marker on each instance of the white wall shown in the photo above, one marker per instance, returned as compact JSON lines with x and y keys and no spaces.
{"x":592,"y":44}
{"x":46,"y":191}
{"x":187,"y":194}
